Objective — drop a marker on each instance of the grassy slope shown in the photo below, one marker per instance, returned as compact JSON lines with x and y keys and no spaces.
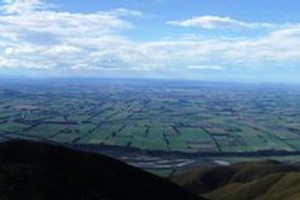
{"x":245,"y":181}
{"x":37,"y":171}
{"x":277,"y":186}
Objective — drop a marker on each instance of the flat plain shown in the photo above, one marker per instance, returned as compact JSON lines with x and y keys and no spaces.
{"x":161,"y":116}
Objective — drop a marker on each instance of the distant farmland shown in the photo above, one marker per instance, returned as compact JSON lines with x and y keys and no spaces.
{"x":163,"y":116}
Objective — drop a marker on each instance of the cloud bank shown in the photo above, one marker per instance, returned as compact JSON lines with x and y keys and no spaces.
{"x":35,"y":36}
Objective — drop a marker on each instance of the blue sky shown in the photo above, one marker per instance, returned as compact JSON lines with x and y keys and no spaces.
{"x":245,"y":40}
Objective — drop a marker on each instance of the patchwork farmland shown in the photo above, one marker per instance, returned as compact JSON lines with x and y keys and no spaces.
{"x":186,"y":117}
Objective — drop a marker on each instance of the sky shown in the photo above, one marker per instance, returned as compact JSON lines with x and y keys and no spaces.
{"x":212,"y":40}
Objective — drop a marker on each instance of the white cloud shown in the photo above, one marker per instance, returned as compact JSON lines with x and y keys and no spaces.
{"x":126,"y":12}
{"x":23,"y":6}
{"x":8,"y":51}
{"x":36,"y":36}
{"x":8,"y":62}
{"x":205,"y":67}
{"x":41,"y":38}
{"x":217,"y":22}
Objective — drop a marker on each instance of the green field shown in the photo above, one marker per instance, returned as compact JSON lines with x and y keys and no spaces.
{"x":159,"y":116}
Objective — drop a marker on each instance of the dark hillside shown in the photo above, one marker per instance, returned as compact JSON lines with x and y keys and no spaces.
{"x":38,"y":171}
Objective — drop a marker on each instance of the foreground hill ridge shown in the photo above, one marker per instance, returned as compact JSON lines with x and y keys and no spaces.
{"x":39,"y":171}
{"x":259,"y":180}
